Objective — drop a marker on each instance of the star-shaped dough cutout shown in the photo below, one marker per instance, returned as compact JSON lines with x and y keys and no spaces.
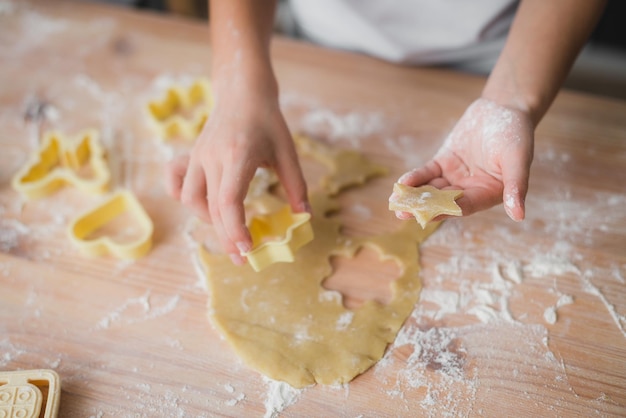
{"x":425,"y":202}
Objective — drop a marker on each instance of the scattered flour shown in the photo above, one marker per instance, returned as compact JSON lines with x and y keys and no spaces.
{"x":436,"y":373}
{"x":11,"y":233}
{"x":231,"y":390}
{"x":129,"y":314}
{"x":589,"y":287}
{"x":234,"y":401}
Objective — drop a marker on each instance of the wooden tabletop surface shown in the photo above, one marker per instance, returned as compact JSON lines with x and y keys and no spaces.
{"x":515,"y":319}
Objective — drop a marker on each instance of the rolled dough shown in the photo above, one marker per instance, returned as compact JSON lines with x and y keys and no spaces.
{"x":283,"y":323}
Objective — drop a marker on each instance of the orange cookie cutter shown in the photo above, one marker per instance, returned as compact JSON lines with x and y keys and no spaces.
{"x":277,"y":236}
{"x":60,"y":161}
{"x":30,"y":394}
{"x":183,"y":111}
{"x":114,"y":206}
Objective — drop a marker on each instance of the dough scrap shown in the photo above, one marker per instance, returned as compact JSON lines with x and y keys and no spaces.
{"x":425,"y":202}
{"x":284,"y":324}
{"x":347,"y":168}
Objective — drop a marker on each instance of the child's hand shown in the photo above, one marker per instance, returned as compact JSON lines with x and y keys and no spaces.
{"x":246,"y":130}
{"x":487,"y":155}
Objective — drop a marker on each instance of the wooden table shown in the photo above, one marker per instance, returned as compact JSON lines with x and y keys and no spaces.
{"x":133,"y":339}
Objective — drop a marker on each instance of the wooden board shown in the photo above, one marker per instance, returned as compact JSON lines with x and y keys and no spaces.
{"x":133,"y":339}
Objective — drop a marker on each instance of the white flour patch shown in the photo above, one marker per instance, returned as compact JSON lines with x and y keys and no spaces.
{"x":345,"y":320}
{"x":408,"y":149}
{"x":547,"y":265}
{"x":36,"y":29}
{"x":445,"y":302}
{"x":6,"y":8}
{"x":360,"y":210}
{"x":351,"y":127}
{"x":550,"y":315}
{"x":279,"y":396}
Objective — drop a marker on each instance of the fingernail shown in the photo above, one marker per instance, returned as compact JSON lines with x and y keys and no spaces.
{"x":243,"y":247}
{"x":237,"y":259}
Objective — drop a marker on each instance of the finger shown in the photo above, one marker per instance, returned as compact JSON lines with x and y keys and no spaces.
{"x":175,"y":174}
{"x":213,"y":180}
{"x":403,"y":215}
{"x":193,"y":193}
{"x":291,"y":177}
{"x":475,"y":199}
{"x":233,"y":188}
{"x":439,"y":183}
{"x":422,"y":175}
{"x":515,"y":172}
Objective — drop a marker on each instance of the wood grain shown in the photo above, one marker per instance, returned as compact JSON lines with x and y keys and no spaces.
{"x":133,"y":339}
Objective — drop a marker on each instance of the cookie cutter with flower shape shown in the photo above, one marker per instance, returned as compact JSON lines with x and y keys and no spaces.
{"x":182,"y":112}
{"x":60,"y":161}
{"x":83,"y":229}
{"x":29,"y":393}
{"x":277,"y":236}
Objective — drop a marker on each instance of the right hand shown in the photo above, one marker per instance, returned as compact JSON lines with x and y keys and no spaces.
{"x":246,"y":130}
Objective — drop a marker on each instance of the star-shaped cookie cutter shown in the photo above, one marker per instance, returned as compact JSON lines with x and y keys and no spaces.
{"x":60,"y":161}
{"x":182,"y":112}
{"x":92,"y":220}
{"x":425,"y":203}
{"x":22,"y":393}
{"x":277,"y":236}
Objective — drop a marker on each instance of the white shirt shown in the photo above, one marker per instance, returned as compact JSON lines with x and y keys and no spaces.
{"x":409,"y":31}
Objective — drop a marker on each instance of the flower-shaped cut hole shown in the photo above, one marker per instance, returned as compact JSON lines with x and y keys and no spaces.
{"x":363,"y":277}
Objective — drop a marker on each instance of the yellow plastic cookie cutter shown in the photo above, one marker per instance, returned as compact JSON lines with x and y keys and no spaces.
{"x":183,"y":111}
{"x":114,"y":206}
{"x":59,"y":161}
{"x":277,"y":236}
{"x":25,"y":393}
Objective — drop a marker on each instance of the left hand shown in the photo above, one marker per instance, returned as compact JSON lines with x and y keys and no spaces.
{"x":487,"y":155}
